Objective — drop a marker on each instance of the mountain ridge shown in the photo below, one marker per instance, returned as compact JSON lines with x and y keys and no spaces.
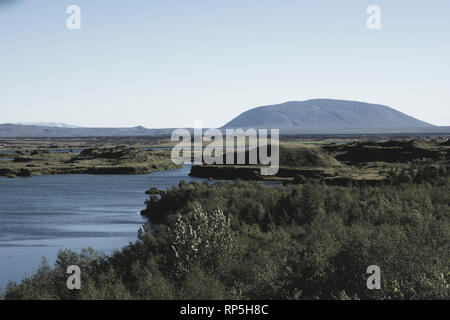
{"x":315,"y":116}
{"x":47,"y":124}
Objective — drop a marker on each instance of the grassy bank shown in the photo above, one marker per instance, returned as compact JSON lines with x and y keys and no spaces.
{"x":360,"y":162}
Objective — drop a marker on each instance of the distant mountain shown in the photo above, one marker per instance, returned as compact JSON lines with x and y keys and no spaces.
{"x":9,"y":130}
{"x":330,"y":116}
{"x":319,"y":116}
{"x":48,"y":124}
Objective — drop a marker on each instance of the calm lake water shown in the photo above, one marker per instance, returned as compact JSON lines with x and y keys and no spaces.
{"x":39,"y":215}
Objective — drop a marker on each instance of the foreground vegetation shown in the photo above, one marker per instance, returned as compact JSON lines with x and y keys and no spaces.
{"x":251,"y":241}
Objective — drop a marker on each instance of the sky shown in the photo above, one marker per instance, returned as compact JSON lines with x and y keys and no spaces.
{"x":170,"y":63}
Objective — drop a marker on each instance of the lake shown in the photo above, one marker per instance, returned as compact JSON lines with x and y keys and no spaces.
{"x":39,"y":215}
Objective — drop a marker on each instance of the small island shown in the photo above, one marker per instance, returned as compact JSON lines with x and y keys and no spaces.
{"x":47,"y":159}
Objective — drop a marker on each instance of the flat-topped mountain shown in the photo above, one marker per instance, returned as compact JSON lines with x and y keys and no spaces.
{"x":329,"y":116}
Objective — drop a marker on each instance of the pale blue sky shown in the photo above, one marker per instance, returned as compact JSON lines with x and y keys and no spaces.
{"x":169,"y":63}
